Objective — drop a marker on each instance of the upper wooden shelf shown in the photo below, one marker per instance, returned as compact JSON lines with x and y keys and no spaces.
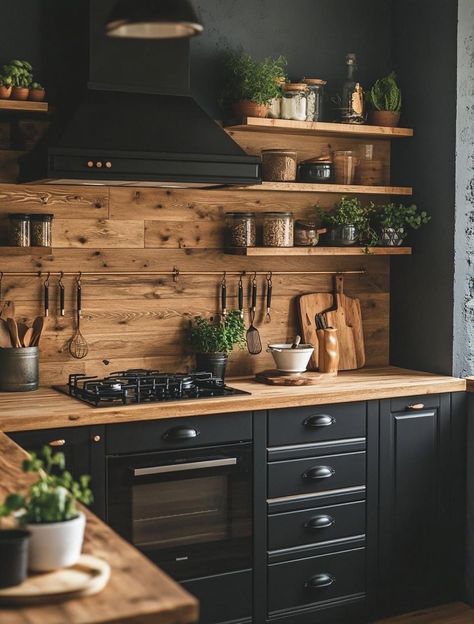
{"x":302,"y":187}
{"x":19,"y":105}
{"x":319,"y":251}
{"x":286,"y":126}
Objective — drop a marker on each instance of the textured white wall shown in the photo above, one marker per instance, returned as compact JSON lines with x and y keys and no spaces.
{"x":463,"y":353}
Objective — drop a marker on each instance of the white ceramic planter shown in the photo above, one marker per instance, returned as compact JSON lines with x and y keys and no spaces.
{"x":56,"y":544}
{"x":288,"y":360}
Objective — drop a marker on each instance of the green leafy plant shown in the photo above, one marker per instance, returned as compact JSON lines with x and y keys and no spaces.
{"x":53,"y":497}
{"x":385,"y":94}
{"x":350,"y":211}
{"x":248,"y":79}
{"x":36,"y":86}
{"x":20,"y":72}
{"x":210,"y":336}
{"x":399,"y":216}
{"x":6,"y":81}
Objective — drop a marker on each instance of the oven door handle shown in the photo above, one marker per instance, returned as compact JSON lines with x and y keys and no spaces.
{"x":199,"y":465}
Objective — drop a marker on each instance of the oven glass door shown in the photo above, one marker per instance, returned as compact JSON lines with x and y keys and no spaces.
{"x":190,"y":511}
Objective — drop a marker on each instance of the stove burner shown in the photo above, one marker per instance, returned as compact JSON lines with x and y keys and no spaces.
{"x":145,"y":386}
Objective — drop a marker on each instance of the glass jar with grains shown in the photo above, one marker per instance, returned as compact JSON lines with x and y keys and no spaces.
{"x":41,"y":225}
{"x":278,"y":229}
{"x":19,"y":231}
{"x":241,"y":230}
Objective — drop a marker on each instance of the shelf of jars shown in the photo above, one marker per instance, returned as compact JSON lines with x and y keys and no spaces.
{"x":345,"y":189}
{"x":289,"y":126}
{"x":319,"y":251}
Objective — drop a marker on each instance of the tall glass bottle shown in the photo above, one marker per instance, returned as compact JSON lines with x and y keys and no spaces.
{"x":352,"y":93}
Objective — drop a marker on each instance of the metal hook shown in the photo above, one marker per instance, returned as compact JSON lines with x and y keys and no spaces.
{"x":224,"y":280}
{"x":78,"y":278}
{"x":60,"y":280}
{"x":46,"y":281}
{"x":175,"y":274}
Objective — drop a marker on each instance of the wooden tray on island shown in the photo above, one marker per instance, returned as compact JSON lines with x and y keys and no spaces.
{"x":277,"y":378}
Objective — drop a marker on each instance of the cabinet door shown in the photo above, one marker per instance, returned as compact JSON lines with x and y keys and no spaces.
{"x":83,"y":448}
{"x":422,"y":467}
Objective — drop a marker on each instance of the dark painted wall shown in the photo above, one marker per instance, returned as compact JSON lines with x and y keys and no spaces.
{"x":424,"y":33}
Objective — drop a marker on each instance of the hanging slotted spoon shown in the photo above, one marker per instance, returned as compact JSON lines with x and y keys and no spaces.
{"x":254,"y":344}
{"x":78,"y":346}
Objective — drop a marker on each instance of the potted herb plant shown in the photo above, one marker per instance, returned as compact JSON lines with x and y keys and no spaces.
{"x":22,"y":76}
{"x":212,"y":341}
{"x":37,"y":92}
{"x":14,"y":553}
{"x":6,"y":85}
{"x":385,"y":101}
{"x":394,"y":221}
{"x":250,"y":85}
{"x":349,"y":223}
{"x":49,"y":513}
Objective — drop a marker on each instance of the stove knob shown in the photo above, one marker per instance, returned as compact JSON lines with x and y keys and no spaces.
{"x":97,"y":438}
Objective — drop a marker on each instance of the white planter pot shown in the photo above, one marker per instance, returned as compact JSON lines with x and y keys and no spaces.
{"x":288,"y":360}
{"x":56,"y":544}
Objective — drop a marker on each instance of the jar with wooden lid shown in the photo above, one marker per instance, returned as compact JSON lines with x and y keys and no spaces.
{"x":315,"y":99}
{"x":277,"y":229}
{"x":241,"y":229}
{"x":294,"y":101}
{"x":41,"y":230}
{"x":279,"y":165}
{"x":19,"y":231}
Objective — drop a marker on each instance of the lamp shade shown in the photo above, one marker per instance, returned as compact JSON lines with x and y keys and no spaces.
{"x":153,"y":19}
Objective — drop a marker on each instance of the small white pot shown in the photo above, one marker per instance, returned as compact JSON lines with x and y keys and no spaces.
{"x":288,"y":360}
{"x":56,"y":544}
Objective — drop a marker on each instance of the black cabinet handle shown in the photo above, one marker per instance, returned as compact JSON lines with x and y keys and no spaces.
{"x":319,"y":472}
{"x":319,"y":420}
{"x":181,"y":433}
{"x":320,"y":580}
{"x":322,"y":521}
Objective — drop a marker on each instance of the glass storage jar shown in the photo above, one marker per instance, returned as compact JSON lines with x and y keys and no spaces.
{"x":279,"y":165}
{"x":315,"y":99}
{"x":307,"y":233}
{"x":19,"y":235}
{"x":277,"y":229}
{"x":294,"y":101}
{"x":41,"y":226}
{"x":241,"y":229}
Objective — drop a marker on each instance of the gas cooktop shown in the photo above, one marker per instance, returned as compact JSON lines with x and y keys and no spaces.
{"x":145,"y":386}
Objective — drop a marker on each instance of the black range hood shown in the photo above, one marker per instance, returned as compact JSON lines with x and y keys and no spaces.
{"x":137,"y":124}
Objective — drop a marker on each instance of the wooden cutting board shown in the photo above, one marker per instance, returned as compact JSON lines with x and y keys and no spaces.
{"x":275,"y":378}
{"x":308,"y":306}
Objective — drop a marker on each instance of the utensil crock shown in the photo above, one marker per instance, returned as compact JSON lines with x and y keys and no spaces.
{"x":19,"y":369}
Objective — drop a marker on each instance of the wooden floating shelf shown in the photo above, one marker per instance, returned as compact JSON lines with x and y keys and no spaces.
{"x":319,"y":251}
{"x":301,"y":187}
{"x":257,"y":124}
{"x":19,"y":105}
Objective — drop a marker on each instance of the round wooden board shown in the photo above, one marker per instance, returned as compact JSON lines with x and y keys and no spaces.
{"x":89,"y":576}
{"x":275,"y":378}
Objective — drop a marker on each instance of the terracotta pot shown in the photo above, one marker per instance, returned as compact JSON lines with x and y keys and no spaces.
{"x":5,"y":92}
{"x":20,"y":93}
{"x":389,"y":119}
{"x":246,"y":108}
{"x":37,"y":95}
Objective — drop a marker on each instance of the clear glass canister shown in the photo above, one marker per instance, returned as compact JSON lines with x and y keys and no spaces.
{"x":294,"y":101}
{"x":278,"y":229}
{"x":19,"y":230}
{"x":315,"y":99}
{"x":41,"y":226}
{"x":241,"y":229}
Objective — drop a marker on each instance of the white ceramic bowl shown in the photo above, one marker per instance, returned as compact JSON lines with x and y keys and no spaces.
{"x":288,"y":360}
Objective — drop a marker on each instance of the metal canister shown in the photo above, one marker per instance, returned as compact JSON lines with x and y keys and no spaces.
{"x":19,"y":369}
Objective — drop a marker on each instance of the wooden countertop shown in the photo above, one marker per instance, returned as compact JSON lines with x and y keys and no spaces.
{"x":46,"y":408}
{"x":137,"y":591}
{"x":470,"y":384}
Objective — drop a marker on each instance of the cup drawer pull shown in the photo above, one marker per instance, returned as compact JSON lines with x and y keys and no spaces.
{"x":320,"y":580}
{"x":181,"y":433}
{"x":318,"y":472}
{"x":322,"y":521}
{"x":319,"y":420}
{"x":416,"y":406}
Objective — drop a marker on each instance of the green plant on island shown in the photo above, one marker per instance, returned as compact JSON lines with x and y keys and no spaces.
{"x":385,"y":94}
{"x":211,"y":336}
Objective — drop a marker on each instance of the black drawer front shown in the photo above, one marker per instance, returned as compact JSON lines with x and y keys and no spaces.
{"x":315,"y":579}
{"x":316,"y":424}
{"x":415,"y":403}
{"x":315,"y":474}
{"x":320,"y":524}
{"x":179,"y":433}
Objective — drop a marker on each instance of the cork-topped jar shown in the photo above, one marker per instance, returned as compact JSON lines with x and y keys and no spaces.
{"x":279,"y":165}
{"x":294,"y":101}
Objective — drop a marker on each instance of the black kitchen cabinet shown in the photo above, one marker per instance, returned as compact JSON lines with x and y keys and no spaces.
{"x":84,"y":451}
{"x":422,"y":502}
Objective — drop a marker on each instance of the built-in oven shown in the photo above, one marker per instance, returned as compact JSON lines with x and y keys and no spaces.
{"x":189,"y":510}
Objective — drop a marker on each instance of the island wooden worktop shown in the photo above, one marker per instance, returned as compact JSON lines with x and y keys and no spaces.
{"x":46,"y":408}
{"x":137,"y":591}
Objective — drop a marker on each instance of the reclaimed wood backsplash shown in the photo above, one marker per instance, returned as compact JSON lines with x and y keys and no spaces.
{"x":132,"y":321}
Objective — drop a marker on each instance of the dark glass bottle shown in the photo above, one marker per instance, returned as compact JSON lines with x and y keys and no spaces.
{"x":352,"y":94}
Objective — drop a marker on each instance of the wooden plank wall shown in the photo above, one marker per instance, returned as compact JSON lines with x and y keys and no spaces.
{"x":141,"y":320}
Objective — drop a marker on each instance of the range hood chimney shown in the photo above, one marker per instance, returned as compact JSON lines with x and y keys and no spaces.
{"x":137,"y":123}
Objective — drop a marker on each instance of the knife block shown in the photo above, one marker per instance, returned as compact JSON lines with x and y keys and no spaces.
{"x":328,"y":350}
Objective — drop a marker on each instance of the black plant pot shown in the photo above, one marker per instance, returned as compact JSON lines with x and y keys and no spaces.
{"x":13,"y":557}
{"x":214,"y":363}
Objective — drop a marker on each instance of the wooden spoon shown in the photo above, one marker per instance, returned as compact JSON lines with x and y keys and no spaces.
{"x":5,"y":338}
{"x":13,"y":329}
{"x":27,"y":337}
{"x":22,"y":329}
{"x":38,"y":324}
{"x":7,"y":310}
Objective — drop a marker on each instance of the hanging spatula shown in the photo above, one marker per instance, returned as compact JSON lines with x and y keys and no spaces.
{"x":254,"y":344}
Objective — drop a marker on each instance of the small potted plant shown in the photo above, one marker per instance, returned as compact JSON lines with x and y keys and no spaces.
{"x":37,"y":92}
{"x":6,"y":85}
{"x":349,"y":223}
{"x":250,"y":85}
{"x":21,"y":75}
{"x":394,"y":221}
{"x":49,"y":513}
{"x":212,"y":341}
{"x":14,"y":552}
{"x":385,"y":101}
